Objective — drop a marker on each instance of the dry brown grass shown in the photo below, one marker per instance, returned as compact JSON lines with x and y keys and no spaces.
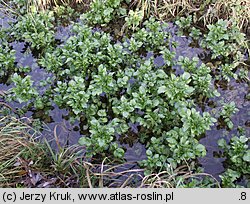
{"x":16,"y":139}
{"x":27,"y":162}
{"x":169,"y":9}
{"x":207,"y":11}
{"x":174,"y":178}
{"x":44,"y":4}
{"x":236,"y":10}
{"x":147,"y":6}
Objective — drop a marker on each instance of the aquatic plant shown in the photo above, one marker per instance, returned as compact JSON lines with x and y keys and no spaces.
{"x":237,"y":156}
{"x":36,"y":29}
{"x":109,"y":85}
{"x":134,"y":19}
{"x":227,"y":71}
{"x":7,"y":59}
{"x":224,"y":39}
{"x":184,"y":23}
{"x":115,"y":89}
{"x":200,"y":75}
{"x":228,"y":109}
{"x":103,"y":11}
{"x":23,"y":90}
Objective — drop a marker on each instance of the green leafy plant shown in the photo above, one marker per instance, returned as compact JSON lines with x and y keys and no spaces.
{"x":153,"y":35}
{"x":243,"y":74}
{"x":64,"y":14}
{"x":223,"y":39}
{"x":36,"y":29}
{"x":73,"y":94}
{"x":7,"y":59}
{"x":195,"y":33}
{"x":227,"y":71}
{"x":23,"y":90}
{"x":108,"y":85}
{"x":237,"y":156}
{"x":201,"y":77}
{"x":101,"y":139}
{"x":184,"y":23}
{"x":134,"y":19}
{"x":103,"y":11}
{"x":228,"y":109}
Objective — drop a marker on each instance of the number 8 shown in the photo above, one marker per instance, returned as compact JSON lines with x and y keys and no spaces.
{"x":243,"y":196}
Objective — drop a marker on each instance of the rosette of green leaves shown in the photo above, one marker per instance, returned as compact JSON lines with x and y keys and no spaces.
{"x":73,"y":94}
{"x":228,"y":109}
{"x":36,"y":29}
{"x":23,"y":89}
{"x":237,"y":154}
{"x":223,"y":39}
{"x":7,"y":59}
{"x":103,"y":11}
{"x":101,"y":139}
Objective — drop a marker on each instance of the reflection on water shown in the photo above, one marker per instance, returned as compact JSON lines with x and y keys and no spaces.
{"x":237,"y":94}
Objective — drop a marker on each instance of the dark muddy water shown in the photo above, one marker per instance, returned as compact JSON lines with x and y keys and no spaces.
{"x":56,"y":121}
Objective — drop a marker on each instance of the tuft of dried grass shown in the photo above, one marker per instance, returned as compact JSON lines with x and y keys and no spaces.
{"x":169,"y":9}
{"x":207,"y":11}
{"x":147,"y":6}
{"x":234,"y":10}
{"x":174,"y":178}
{"x":113,"y":175}
{"x":16,"y":139}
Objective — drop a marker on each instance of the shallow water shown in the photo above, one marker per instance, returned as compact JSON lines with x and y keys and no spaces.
{"x":57,"y":123}
{"x":214,"y":165}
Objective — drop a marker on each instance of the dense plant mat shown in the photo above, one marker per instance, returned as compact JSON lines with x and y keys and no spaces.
{"x":123,"y":77}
